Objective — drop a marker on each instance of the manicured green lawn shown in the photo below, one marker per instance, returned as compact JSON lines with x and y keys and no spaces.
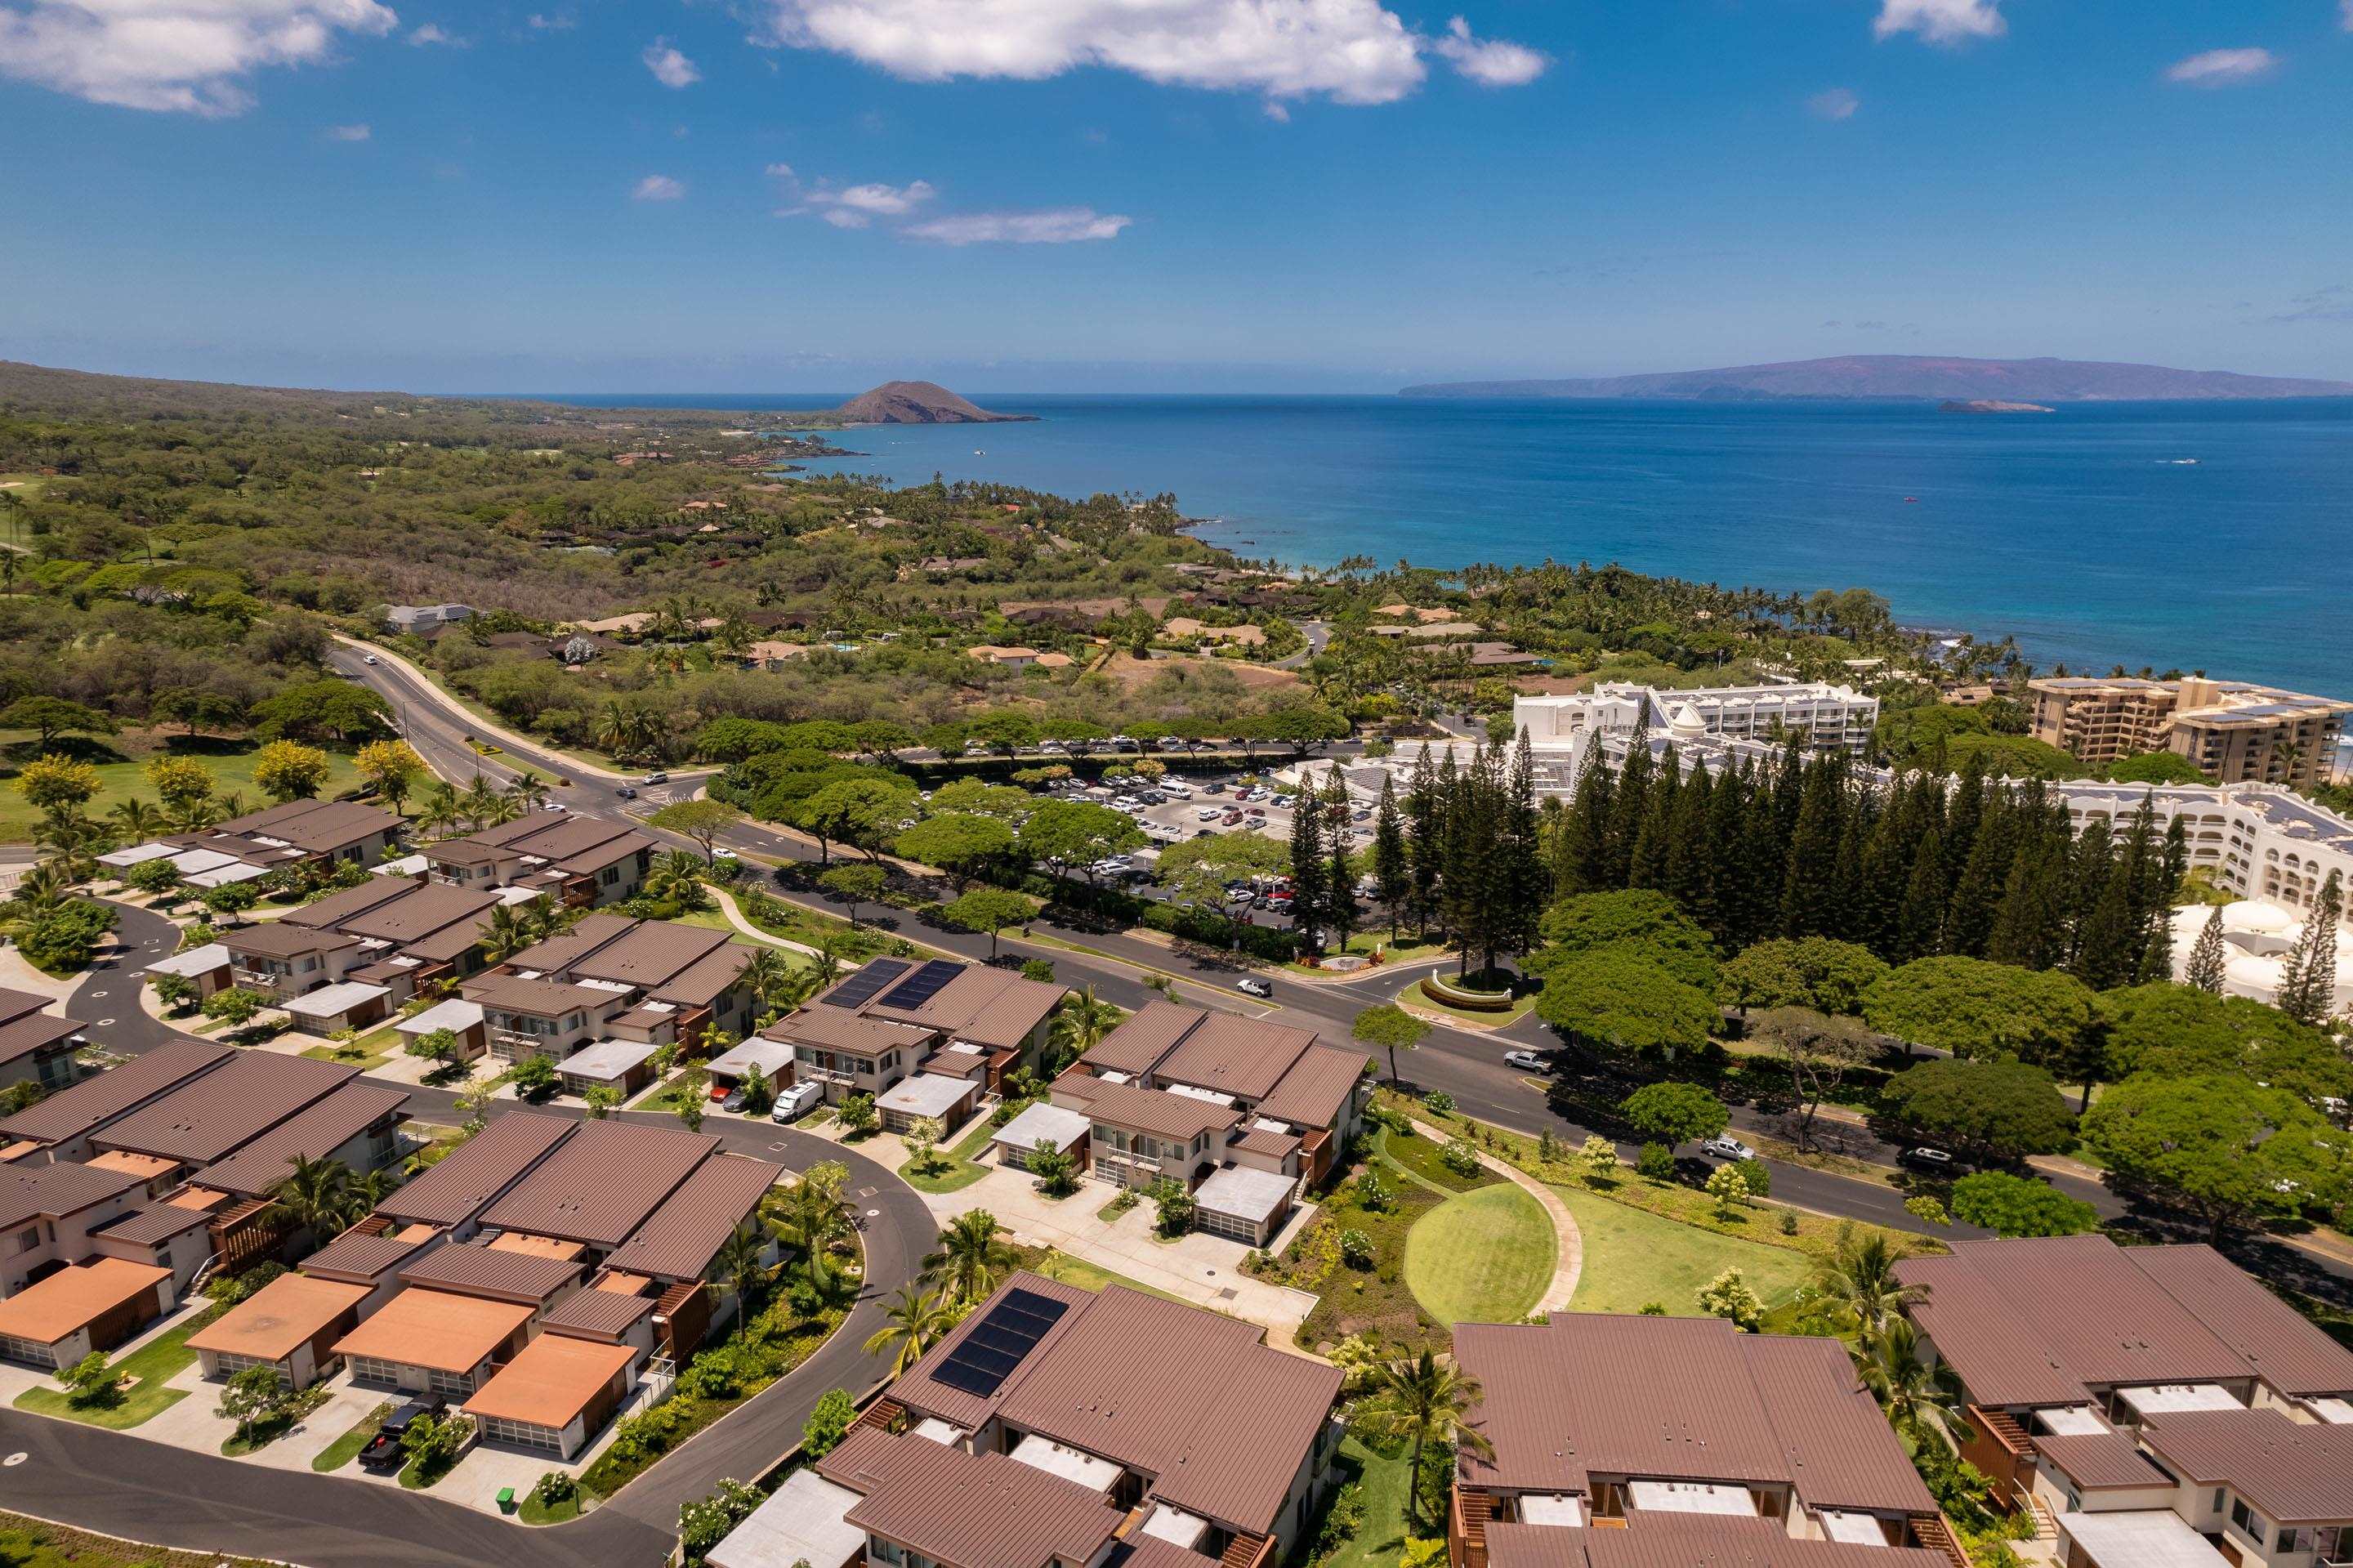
{"x":1085,"y":1275}
{"x":231,"y":764}
{"x":1381,"y":1541}
{"x":530,"y":1510}
{"x":367,"y":1053}
{"x":1483,"y":1256}
{"x":154,"y":1365}
{"x":1632,"y":1258}
{"x":347,"y":1448}
{"x":956,"y":1168}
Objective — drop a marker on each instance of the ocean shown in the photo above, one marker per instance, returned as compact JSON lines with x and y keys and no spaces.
{"x":2089,"y":534}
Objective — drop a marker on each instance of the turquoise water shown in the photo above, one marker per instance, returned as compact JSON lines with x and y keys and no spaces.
{"x":2081,"y":531}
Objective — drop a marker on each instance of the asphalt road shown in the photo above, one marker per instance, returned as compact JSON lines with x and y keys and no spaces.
{"x":337,"y":1520}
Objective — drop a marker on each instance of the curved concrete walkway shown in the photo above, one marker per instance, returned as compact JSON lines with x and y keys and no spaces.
{"x":1568,"y":1259}
{"x":726,"y":903}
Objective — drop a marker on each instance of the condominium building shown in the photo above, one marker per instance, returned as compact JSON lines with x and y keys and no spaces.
{"x":2234,"y":731}
{"x":2194,"y":1418}
{"x":1823,"y":717}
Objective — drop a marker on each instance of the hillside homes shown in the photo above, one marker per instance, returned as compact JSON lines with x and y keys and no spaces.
{"x":636,"y":985}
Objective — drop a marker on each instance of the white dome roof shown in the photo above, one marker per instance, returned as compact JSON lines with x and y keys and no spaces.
{"x":2255,"y":915}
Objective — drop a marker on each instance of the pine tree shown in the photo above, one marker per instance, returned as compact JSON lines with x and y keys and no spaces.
{"x":1978,"y":890}
{"x":2172,"y":866}
{"x":1647,"y":863}
{"x":1919,"y":924}
{"x":1392,"y":862}
{"x":1581,"y":853}
{"x":1628,"y":804}
{"x":1810,"y":878}
{"x":1688,"y":878}
{"x":1340,"y":886}
{"x":1425,"y":836}
{"x":2308,"y":988}
{"x":1308,"y":893}
{"x":2108,"y":948}
{"x":1522,"y":885}
{"x":2205,"y":968}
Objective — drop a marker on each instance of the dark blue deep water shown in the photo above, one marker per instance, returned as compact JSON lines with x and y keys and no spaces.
{"x":2078,"y":531}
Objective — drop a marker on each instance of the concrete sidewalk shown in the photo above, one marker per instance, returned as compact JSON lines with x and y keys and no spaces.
{"x":1568,"y":1259}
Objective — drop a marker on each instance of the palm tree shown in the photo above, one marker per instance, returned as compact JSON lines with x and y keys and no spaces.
{"x":1860,"y":1278}
{"x":441,"y":812}
{"x":827,"y":962}
{"x":504,"y":934}
{"x":1082,"y":1024}
{"x":364,"y":1193}
{"x":138,"y":820}
{"x":194,"y":816}
{"x":1426,"y":1402}
{"x":811,"y":1216}
{"x":73,"y":844}
{"x":529,"y":791}
{"x":313,"y":1192}
{"x":483,"y":800}
{"x":1920,"y":1400}
{"x":916,"y":1319}
{"x":768,"y":973}
{"x":40,"y":890}
{"x":741,"y":1260}
{"x":970,"y":1258}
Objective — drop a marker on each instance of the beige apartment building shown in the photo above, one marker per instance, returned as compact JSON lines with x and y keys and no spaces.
{"x":2236,"y":731}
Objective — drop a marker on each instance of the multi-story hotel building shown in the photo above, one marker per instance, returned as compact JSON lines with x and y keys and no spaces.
{"x":2234,"y":731}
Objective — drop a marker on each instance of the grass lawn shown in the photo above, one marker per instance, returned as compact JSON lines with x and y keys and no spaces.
{"x":1419,"y":1158}
{"x":1632,"y":1258}
{"x":367,"y":1053}
{"x":120,"y":758}
{"x":669,"y":1096}
{"x":956,"y":1169}
{"x":1079,"y":1272}
{"x":37,"y":1544}
{"x":530,"y":1510}
{"x":154,"y":1365}
{"x":347,"y":1448}
{"x":1350,"y":1300}
{"x":1481,"y":1258}
{"x":1383,"y":1482}
{"x":715,"y":920}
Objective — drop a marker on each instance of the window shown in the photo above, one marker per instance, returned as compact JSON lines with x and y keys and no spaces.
{"x":2249,"y":1523}
{"x":27,"y":1239}
{"x":2292,"y":1542}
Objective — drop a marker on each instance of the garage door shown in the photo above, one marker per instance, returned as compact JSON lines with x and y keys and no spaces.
{"x":516,"y":1434}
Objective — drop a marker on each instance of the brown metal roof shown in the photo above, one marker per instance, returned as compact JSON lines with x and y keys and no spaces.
{"x":1154,"y":1111}
{"x":462,"y":1182}
{"x":1234,"y":1055}
{"x":2295,"y":1473}
{"x":1258,"y":1140}
{"x":277,"y":1320}
{"x":429,"y":907}
{"x":985,"y":1512}
{"x":920,"y":1392}
{"x":550,"y":1380}
{"x":2006,"y":1316}
{"x":561,"y":952}
{"x":15,"y":1004}
{"x":71,"y":1112}
{"x":989,"y":1006}
{"x":544,"y":998}
{"x":2097,"y":1460}
{"x":345,"y":903}
{"x":679,"y":1239}
{"x":707,"y":978}
{"x":21,"y":1037}
{"x":55,"y":1190}
{"x":1144,"y":1037}
{"x":1688,"y":1543}
{"x":648,"y":953}
{"x":602,"y":1183}
{"x":152,"y":1225}
{"x":205,"y":1119}
{"x":359,"y":1255}
{"x":277,"y":941}
{"x":598,"y":1314}
{"x":320,"y":827}
{"x":1317,"y":1087}
{"x":435,"y":1328}
{"x":832,"y":1029}
{"x":313,"y":1134}
{"x":1677,"y":1398}
{"x":490,"y":1271}
{"x":2288,"y":1349}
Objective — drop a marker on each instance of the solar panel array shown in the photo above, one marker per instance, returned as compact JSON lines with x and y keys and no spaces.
{"x":999,"y":1343}
{"x":859,"y":988}
{"x":923,"y":985}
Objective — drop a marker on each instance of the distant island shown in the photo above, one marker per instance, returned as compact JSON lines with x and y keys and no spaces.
{"x":1908,"y":375}
{"x":1992,"y":406}
{"x":918,"y":403}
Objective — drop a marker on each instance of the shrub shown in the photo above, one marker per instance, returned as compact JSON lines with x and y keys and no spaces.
{"x":1355,"y":1249}
{"x":1173,"y":1207}
{"x":1655,"y":1162}
{"x":554,"y":1488}
{"x":1371,"y":1196}
{"x":1728,"y":1296}
{"x":1460,"y":1158}
{"x":1927,"y":1208}
{"x":1727,"y":1187}
{"x":829,"y":1424}
{"x":1758,"y":1175}
{"x":1438,"y":1100}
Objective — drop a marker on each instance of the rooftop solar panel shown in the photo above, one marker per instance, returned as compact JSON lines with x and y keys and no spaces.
{"x":859,"y":989}
{"x":988,"y":1355}
{"x":923,"y":985}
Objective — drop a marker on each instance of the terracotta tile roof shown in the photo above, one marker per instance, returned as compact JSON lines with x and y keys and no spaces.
{"x":1312,"y":1093}
{"x":58,"y":1305}
{"x":313,"y":1133}
{"x":679,"y":1239}
{"x":435,"y":1328}
{"x":461,"y":1183}
{"x":2293,"y":1473}
{"x":550,"y":1380}
{"x":602,"y":1183}
{"x":491,"y":1273}
{"x":1154,"y":1111}
{"x":1678,"y":1398}
{"x":70,"y":1112}
{"x":283,"y":1314}
{"x":2003,"y":1314}
{"x":207,"y":1118}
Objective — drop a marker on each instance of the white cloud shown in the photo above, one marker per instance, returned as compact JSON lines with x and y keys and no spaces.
{"x":176,"y":55}
{"x":1353,"y":51}
{"x":890,"y":201}
{"x":2346,"y":8}
{"x":2221,"y":68}
{"x":551,"y":22}
{"x":1490,"y":62}
{"x":434,"y":33}
{"x":1833,"y":103}
{"x":1941,"y":21}
{"x":658,"y":187}
{"x":348,"y":133}
{"x":781,"y":171}
{"x":670,"y":67}
{"x":1049,"y":225}
{"x":851,"y":206}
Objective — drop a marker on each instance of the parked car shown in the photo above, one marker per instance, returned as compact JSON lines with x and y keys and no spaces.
{"x":797,"y":1100}
{"x":1527,"y":1061}
{"x":1233,"y":819}
{"x":1250,"y":985}
{"x":1215,"y":787}
{"x":1927,"y":1158}
{"x":733,"y":1102}
{"x":1726,"y":1147}
{"x":382,"y":1451}
{"x":1208,"y":813}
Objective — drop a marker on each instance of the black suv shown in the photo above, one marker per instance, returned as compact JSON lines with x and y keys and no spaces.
{"x":384,"y":1451}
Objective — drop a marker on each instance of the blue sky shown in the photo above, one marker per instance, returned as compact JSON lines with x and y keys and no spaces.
{"x":1163,"y":195}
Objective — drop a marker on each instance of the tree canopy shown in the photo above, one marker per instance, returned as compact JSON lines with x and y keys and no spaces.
{"x":1997,"y":1108}
{"x":1976,"y":1009}
{"x":1620,"y":1000}
{"x":2225,"y":1146}
{"x":2011,"y":1205}
{"x":1672,"y":1113}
